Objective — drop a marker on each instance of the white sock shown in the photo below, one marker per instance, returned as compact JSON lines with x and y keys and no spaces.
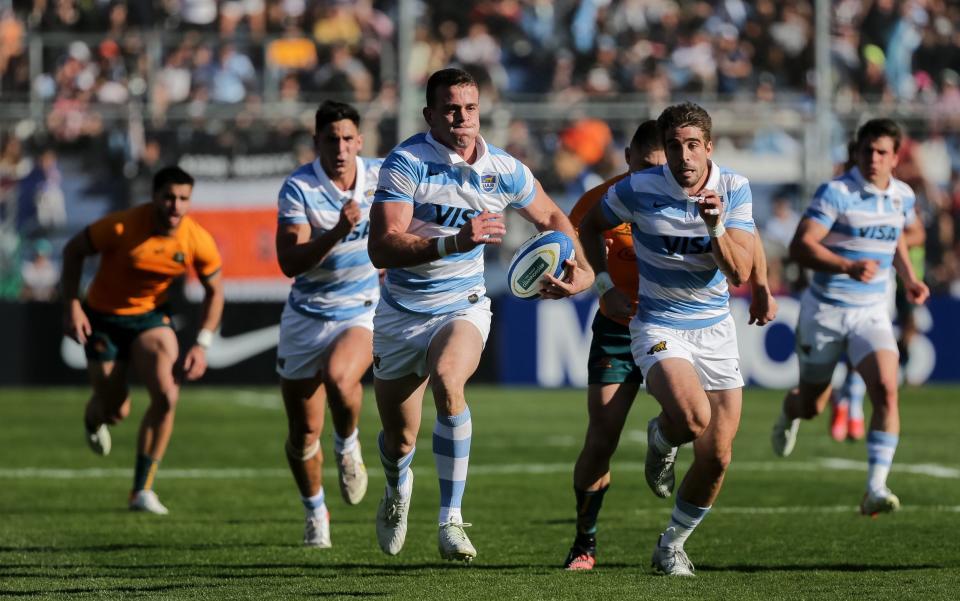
{"x":450,"y":514}
{"x":345,"y":445}
{"x":660,"y":442}
{"x":314,"y":506}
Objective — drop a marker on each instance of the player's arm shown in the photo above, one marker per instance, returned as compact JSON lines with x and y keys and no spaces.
{"x":391,"y":245}
{"x":763,"y":306}
{"x":808,"y":250}
{"x":195,"y":362}
{"x":591,"y":230}
{"x":917,"y":291}
{"x":297,"y":253}
{"x":732,"y":248}
{"x":545,"y":215}
{"x":75,"y":322}
{"x":914,"y":234}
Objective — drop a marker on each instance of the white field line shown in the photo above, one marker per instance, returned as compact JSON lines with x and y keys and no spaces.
{"x":829,"y":464}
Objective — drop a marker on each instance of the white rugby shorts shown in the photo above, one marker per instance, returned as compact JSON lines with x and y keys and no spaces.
{"x":825,"y":332}
{"x":304,"y":341}
{"x":711,"y":350}
{"x":401,"y":339}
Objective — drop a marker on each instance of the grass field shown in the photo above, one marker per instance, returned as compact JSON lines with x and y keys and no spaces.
{"x":783,"y":529}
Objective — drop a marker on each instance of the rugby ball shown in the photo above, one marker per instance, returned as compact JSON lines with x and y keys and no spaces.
{"x":543,"y":253}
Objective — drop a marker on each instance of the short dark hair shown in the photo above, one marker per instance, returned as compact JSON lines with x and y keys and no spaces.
{"x":647,"y":138}
{"x":171,"y":175}
{"x":879,"y":128}
{"x":331,"y":111}
{"x":686,"y":114}
{"x":448,"y":78}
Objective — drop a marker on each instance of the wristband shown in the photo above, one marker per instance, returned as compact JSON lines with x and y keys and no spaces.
{"x":602,"y":283}
{"x":204,"y":339}
{"x":717,"y":230}
{"x":442,"y":246}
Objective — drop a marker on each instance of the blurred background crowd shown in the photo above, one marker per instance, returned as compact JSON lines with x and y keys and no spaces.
{"x":95,"y":95}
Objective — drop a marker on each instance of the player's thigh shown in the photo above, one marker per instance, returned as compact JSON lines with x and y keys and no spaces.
{"x":675,"y":384}
{"x":871,"y":332}
{"x":726,"y":407}
{"x":349,"y":355}
{"x":454,"y":352}
{"x":821,"y":339}
{"x":154,"y":353}
{"x":400,"y":404}
{"x":880,"y":370}
{"x":303,"y":401}
{"x":108,"y":379}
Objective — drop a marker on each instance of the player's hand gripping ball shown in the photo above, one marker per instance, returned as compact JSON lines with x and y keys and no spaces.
{"x":541,"y":254}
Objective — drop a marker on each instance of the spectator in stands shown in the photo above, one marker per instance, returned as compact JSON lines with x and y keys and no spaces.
{"x":39,"y":275}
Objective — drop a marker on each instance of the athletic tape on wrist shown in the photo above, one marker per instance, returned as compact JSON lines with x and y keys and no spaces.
{"x":717,"y":230}
{"x":204,"y":338}
{"x":602,"y":283}
{"x":442,"y":246}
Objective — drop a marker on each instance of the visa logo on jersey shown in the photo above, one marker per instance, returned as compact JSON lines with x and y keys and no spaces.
{"x":454,"y":216}
{"x":879,"y":232}
{"x":682,"y":245}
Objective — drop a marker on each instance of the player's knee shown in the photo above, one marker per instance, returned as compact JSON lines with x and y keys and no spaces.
{"x":302,"y":448}
{"x":809,"y":410}
{"x":448,"y":389}
{"x":338,"y":381}
{"x":886,"y":394}
{"x":599,"y":447}
{"x":118,"y":414}
{"x":695,"y":422}
{"x":718,"y":461}
{"x":165,"y":399}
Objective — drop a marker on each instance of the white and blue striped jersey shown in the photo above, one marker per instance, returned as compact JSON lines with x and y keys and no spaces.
{"x":446,"y":192}
{"x":681,"y":286}
{"x":345,"y":283}
{"x":865,"y":222}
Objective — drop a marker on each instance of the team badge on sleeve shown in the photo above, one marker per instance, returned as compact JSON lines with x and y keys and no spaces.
{"x":488,"y":182}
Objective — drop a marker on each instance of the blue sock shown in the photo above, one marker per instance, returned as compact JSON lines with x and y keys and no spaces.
{"x":397,"y":471}
{"x":451,"y":451}
{"x":315,"y":503}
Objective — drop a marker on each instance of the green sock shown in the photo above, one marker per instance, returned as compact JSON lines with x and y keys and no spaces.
{"x":144,"y":472}
{"x":588,"y":509}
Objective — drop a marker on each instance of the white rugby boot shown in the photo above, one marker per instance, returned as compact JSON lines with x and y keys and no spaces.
{"x":658,"y":467}
{"x":392,"y":520}
{"x":99,"y":439}
{"x":784,"y":435}
{"x":670,"y":561}
{"x":879,"y":501}
{"x":148,"y":502}
{"x":353,"y":475}
{"x":453,"y":543}
{"x":316,"y":532}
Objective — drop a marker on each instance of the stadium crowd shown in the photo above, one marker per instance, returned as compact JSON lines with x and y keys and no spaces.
{"x":128,"y":86}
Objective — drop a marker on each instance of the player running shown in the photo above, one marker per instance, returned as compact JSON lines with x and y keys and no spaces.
{"x":693,"y":231}
{"x":326,"y":329}
{"x":124,"y":318}
{"x":439,"y":203}
{"x":850,"y":236}
{"x":613,"y":378}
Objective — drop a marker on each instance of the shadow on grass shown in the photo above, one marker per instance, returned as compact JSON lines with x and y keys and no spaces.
{"x":820,"y":567}
{"x":125,"y":588}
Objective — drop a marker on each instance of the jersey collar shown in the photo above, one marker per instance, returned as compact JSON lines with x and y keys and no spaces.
{"x":333,"y":191}
{"x":455,"y":159}
{"x":867,"y":186}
